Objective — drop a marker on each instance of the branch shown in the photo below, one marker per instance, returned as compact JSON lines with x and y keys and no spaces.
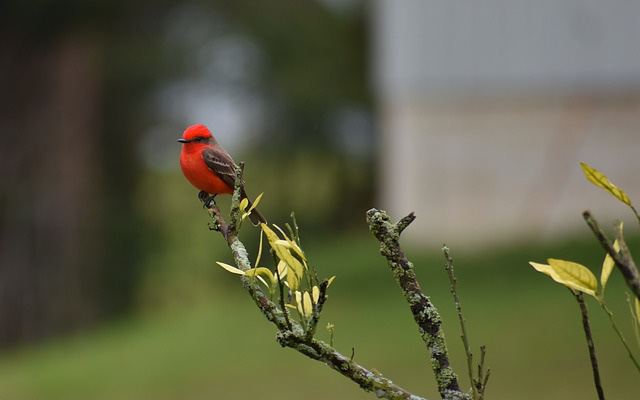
{"x":592,"y":350}
{"x":623,"y":259}
{"x":369,"y":381}
{"x":424,"y":312}
{"x":290,"y":332}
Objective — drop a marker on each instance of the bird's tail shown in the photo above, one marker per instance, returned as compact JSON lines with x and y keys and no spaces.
{"x":256,"y":217}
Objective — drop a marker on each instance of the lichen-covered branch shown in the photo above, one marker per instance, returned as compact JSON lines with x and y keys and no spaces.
{"x":623,"y":259}
{"x":592,"y":350}
{"x":424,"y":312}
{"x":291,"y":334}
{"x":368,"y":380}
{"x":317,"y":309}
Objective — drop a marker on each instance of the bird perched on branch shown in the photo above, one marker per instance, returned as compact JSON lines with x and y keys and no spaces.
{"x":209,"y":167}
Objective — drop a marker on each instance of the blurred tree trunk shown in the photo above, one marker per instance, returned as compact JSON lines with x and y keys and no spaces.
{"x":49,"y":116}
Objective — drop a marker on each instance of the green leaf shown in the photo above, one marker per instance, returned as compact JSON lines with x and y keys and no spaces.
{"x":607,"y":266}
{"x":637,"y":303}
{"x":230,"y":268}
{"x":576,"y":276}
{"x":599,"y":179}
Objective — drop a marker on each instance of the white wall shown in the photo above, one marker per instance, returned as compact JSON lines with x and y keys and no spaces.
{"x":487,"y":108}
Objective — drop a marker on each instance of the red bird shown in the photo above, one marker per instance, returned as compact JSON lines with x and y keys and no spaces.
{"x":209,"y":167}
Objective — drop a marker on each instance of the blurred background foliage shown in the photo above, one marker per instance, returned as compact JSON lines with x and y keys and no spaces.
{"x":94,"y":95}
{"x":108,"y":287}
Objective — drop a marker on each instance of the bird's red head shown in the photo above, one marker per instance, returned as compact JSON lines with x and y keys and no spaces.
{"x":197,"y":134}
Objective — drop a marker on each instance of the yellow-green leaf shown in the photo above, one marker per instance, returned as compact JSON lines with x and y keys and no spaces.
{"x":244,"y":203}
{"x":261,"y":272}
{"x":307,"y":306}
{"x":255,"y":202}
{"x":292,"y":281}
{"x":547,"y":270}
{"x":259,"y":250}
{"x":282,"y":250}
{"x":331,"y":280}
{"x":271,"y":235}
{"x":282,"y":269}
{"x":281,"y":231}
{"x":599,"y":179}
{"x":298,"y":297}
{"x":292,"y":244}
{"x":264,"y":282}
{"x":316,"y":294}
{"x":607,"y":266}
{"x":296,"y":268}
{"x":282,"y":242}
{"x":575,"y":275}
{"x":637,"y":310}
{"x":230,"y":268}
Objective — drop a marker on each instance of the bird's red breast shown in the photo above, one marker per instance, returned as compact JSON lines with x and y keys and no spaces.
{"x":198,"y":173}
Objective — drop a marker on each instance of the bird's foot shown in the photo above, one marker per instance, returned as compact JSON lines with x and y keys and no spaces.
{"x":207,"y":200}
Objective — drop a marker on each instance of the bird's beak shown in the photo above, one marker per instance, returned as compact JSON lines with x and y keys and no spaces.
{"x":183,"y":140}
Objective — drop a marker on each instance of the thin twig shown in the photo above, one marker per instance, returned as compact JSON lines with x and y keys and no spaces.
{"x":619,"y":333}
{"x":424,"y":312}
{"x":482,"y":383}
{"x":592,"y":350}
{"x":635,"y":319}
{"x":295,"y":227}
{"x":284,"y":308}
{"x":623,"y":260}
{"x":465,"y":338}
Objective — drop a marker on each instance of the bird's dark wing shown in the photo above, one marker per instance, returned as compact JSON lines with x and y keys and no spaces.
{"x":221,"y":164}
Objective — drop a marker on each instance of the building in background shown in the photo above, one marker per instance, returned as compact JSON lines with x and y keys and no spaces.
{"x":487,"y":108}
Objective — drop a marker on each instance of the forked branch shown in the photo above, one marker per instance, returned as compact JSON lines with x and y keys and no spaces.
{"x":424,"y":312}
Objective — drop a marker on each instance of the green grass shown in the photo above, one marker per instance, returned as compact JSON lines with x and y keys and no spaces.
{"x":219,"y":345}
